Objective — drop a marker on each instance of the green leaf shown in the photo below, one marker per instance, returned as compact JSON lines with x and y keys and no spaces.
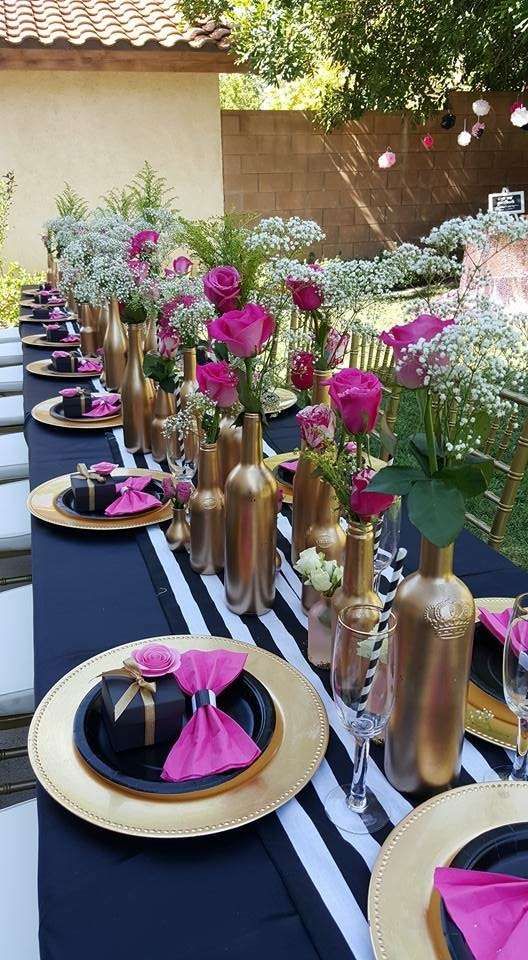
{"x":388,"y":438}
{"x":398,"y":480}
{"x":469,"y":478}
{"x":437,"y":510}
{"x":418,"y":448}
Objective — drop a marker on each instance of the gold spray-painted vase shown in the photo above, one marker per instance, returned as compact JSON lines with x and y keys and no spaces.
{"x":137,"y":395}
{"x":151,"y":343}
{"x":325,"y":534}
{"x":115,"y":348}
{"x":251,"y":527}
{"x":229,"y":447}
{"x":435,"y":625}
{"x":178,"y":533}
{"x":87,"y":330}
{"x":358,"y":571}
{"x":206,"y":512}
{"x":101,"y":315}
{"x":52,"y":273}
{"x":163,"y":408}
{"x":305,"y":483}
{"x":188,"y":387}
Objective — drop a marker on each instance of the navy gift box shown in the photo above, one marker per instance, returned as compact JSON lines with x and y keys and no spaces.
{"x":128,"y":732}
{"x":67,"y":364}
{"x":77,"y":405}
{"x":91,"y":495}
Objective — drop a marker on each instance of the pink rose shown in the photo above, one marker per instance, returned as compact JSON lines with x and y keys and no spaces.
{"x":168,"y":342}
{"x":156,"y":660}
{"x":317,"y":425}
{"x":364,"y":504}
{"x":335,"y":347}
{"x":305,"y":295}
{"x":408,"y":372}
{"x":104,"y":468}
{"x":218,"y":382}
{"x":184,"y":489}
{"x":222,"y":287}
{"x":357,"y":397}
{"x":245,"y":331}
{"x":138,"y":241}
{"x":302,"y":370}
{"x":181,"y":266}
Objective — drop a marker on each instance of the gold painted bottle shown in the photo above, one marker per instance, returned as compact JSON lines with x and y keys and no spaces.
{"x":305,"y":483}
{"x":151,"y":344}
{"x":436,"y":620}
{"x":115,"y":348}
{"x":52,"y":273}
{"x":358,"y":572}
{"x":229,"y":447}
{"x":188,"y":387}
{"x":101,"y":315}
{"x":325,"y":534}
{"x":163,"y":408}
{"x":87,"y":331}
{"x":206,"y":512}
{"x":72,"y":303}
{"x":137,"y":395}
{"x":251,"y":527}
{"x":178,"y":533}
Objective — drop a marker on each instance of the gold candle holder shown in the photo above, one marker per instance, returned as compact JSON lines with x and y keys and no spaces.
{"x":178,"y":533}
{"x":305,"y":483}
{"x":137,"y":395}
{"x":206,"y":511}
{"x":115,"y":348}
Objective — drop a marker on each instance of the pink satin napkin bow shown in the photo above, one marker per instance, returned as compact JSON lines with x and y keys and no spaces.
{"x":490,"y":909}
{"x":58,"y":314}
{"x":87,"y":365}
{"x":104,"y":405}
{"x":132,"y":499}
{"x":498,"y":623}
{"x":71,"y":338}
{"x":211,"y":742}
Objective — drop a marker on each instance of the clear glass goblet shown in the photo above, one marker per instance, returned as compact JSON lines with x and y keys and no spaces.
{"x":515,"y":681}
{"x":362,"y":676}
{"x":180,"y":467}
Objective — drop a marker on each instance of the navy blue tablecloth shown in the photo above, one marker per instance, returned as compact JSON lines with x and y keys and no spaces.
{"x":235,"y":895}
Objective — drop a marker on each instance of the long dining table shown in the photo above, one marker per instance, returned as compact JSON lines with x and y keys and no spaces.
{"x":289,"y":885}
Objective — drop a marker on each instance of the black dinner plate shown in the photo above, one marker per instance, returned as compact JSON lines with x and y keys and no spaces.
{"x":503,"y":850}
{"x":64,"y":501}
{"x":58,"y":412}
{"x":247,"y":701}
{"x":486,"y":663}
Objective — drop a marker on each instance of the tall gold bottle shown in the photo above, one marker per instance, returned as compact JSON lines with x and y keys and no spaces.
{"x":87,"y":330}
{"x":229,"y":447}
{"x":188,"y":387}
{"x":325,"y":534}
{"x":151,"y":343}
{"x":115,"y":348}
{"x":52,"y":273}
{"x":305,"y":483}
{"x":163,"y":408}
{"x":137,"y":395}
{"x":101,"y":315}
{"x":206,"y":511}
{"x":251,"y":527}
{"x":72,"y":303}
{"x":436,"y":622}
{"x":358,"y":572}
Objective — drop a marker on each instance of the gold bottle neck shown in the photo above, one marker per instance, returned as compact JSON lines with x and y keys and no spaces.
{"x":251,"y":439}
{"x":319,"y":390}
{"x":189,"y":363}
{"x":436,"y":561}
{"x":325,"y":505}
{"x":208,"y":471}
{"x":359,"y":560}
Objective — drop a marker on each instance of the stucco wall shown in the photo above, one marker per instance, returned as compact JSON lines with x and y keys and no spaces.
{"x":95,"y":130}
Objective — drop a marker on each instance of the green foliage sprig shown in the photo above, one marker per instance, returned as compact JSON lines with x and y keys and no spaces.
{"x":69,"y":203}
{"x":224,"y":241}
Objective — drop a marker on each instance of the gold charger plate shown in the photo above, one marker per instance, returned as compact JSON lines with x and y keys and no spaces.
{"x":38,"y":340}
{"x":42,"y":503}
{"x":403,"y":908}
{"x":287,"y":399}
{"x":42,"y":413}
{"x":28,"y":319}
{"x":303,"y":726}
{"x":41,"y":368}
{"x":486,"y":717}
{"x":273,"y":463}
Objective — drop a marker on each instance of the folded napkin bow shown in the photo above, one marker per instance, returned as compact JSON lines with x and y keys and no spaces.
{"x":498,"y":623}
{"x":87,"y":365}
{"x":491,"y":910}
{"x":132,"y":499}
{"x":211,"y":742}
{"x":58,"y":314}
{"x":106,"y":404}
{"x":71,"y":338}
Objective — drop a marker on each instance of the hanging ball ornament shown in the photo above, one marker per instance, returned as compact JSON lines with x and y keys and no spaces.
{"x":428,"y":141}
{"x":448,"y":121}
{"x":478,"y":129}
{"x":387,"y":160}
{"x":519,"y":117}
{"x":481,"y":108}
{"x":464,"y":138}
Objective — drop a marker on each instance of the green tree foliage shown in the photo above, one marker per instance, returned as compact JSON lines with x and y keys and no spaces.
{"x":69,"y":203}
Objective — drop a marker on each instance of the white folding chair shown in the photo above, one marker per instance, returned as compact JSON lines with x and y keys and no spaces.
{"x":15,"y":526}
{"x":9,"y":335}
{"x":14,"y":461}
{"x":17,"y":700}
{"x":11,"y":411}
{"x":10,"y":353}
{"x":19,"y":917}
{"x":11,"y":379}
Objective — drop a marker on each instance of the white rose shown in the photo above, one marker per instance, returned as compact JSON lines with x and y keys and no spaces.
{"x":308,"y":561}
{"x":320,"y":580}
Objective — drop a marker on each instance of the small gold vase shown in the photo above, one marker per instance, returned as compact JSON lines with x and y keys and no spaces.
{"x":163,"y":408}
{"x":115,"y":348}
{"x":178,"y":533}
{"x":137,"y":395}
{"x":229,"y":447}
{"x":325,"y":534}
{"x":188,"y":387}
{"x":251,"y":527}
{"x":52,"y":272}
{"x":358,"y":572}
{"x":436,"y":622}
{"x":151,"y":343}
{"x":87,"y":331}
{"x":305,"y":483}
{"x":206,"y":511}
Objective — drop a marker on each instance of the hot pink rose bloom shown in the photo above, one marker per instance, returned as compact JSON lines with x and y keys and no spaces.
{"x":335,"y":347}
{"x":357,"y":397}
{"x":317,"y":425}
{"x":408,"y":372}
{"x":156,"y":660}
{"x":218,"y":382}
{"x":222,"y":287}
{"x":245,"y":331}
{"x":302,"y":370}
{"x":363,"y":503}
{"x":184,"y":489}
{"x":138,"y":241}
{"x":168,"y":342}
{"x":305,"y":295}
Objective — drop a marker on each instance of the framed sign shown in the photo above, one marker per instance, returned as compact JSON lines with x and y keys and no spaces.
{"x":507,"y":201}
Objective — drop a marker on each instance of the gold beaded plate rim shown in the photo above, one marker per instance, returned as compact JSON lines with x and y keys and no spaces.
{"x":59,"y":768}
{"x":41,"y":368}
{"x":38,"y":340}
{"x":42,"y":413}
{"x":486,"y":717}
{"x":287,"y":399}
{"x":405,"y":923}
{"x":42,"y":503}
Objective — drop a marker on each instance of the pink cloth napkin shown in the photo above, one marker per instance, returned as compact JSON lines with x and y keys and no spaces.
{"x":491,"y":910}
{"x":59,"y":353}
{"x":58,"y":314}
{"x":211,"y":742}
{"x":290,"y":465}
{"x":108,"y":404}
{"x":58,"y":301}
{"x":71,"y":338}
{"x":87,"y":365}
{"x":132,"y":499}
{"x":497,"y":624}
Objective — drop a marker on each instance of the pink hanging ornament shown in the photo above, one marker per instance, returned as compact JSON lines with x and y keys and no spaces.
{"x":428,"y":141}
{"x":478,"y":129}
{"x":387,"y":159}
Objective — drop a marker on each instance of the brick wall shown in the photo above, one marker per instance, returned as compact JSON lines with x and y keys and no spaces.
{"x":278,"y":162}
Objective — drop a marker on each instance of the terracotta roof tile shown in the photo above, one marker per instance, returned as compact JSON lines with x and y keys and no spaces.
{"x":134,"y":22}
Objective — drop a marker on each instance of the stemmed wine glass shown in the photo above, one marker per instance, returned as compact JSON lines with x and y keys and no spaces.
{"x":515,"y":681}
{"x":386,"y":540}
{"x":362,"y":676}
{"x":180,"y":467}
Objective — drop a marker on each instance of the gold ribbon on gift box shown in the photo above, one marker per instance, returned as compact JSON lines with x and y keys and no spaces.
{"x":91,"y":477}
{"x":139,"y":684}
